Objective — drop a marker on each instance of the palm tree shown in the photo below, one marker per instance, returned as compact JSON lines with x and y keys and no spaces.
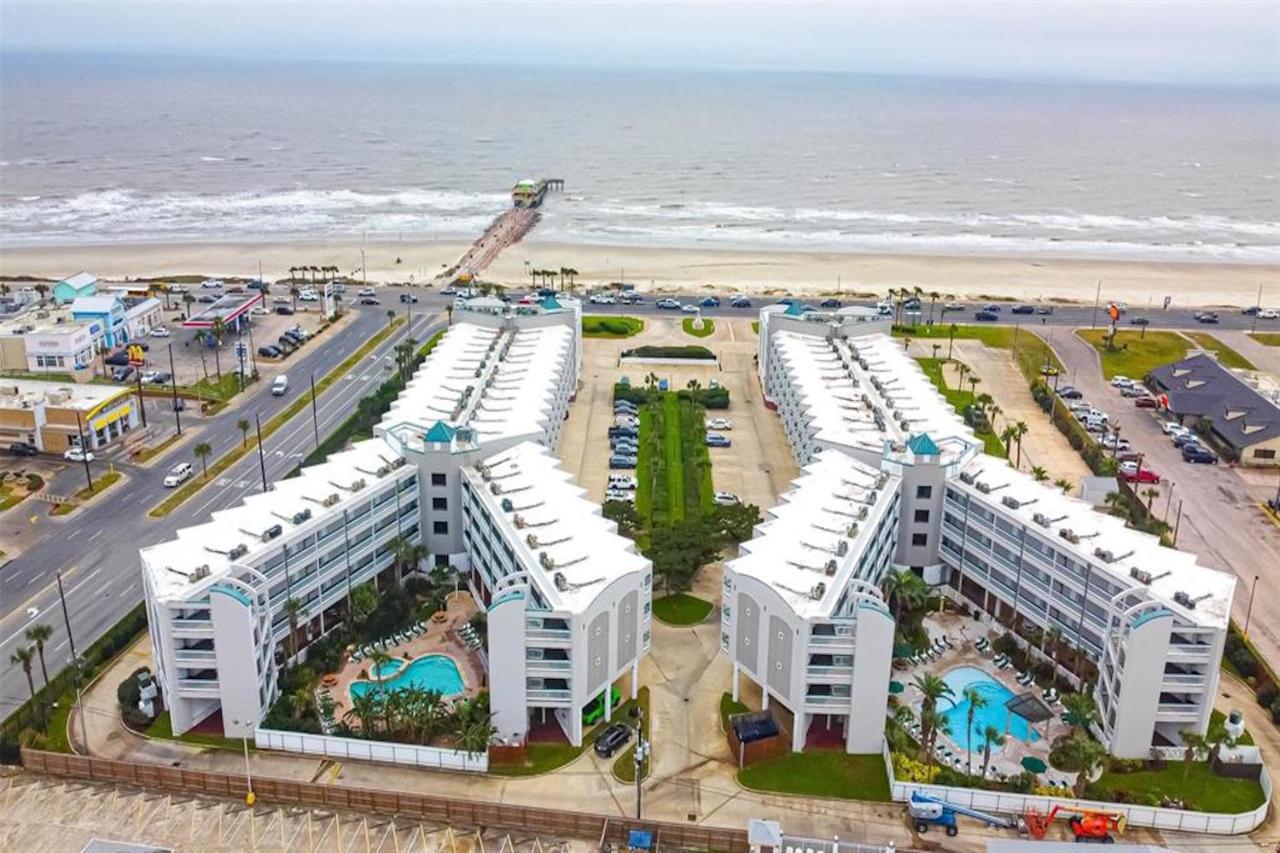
{"x":294,"y":291}
{"x":1064,"y":484}
{"x":39,"y":634}
{"x":1007,"y":436}
{"x":1216,"y":738}
{"x":976,"y":703}
{"x":365,"y":709}
{"x":1081,"y":711}
{"x":243,"y":425}
{"x":951,"y":338}
{"x":990,"y":737}
{"x":1020,"y":429}
{"x":299,"y":701}
{"x":1053,"y":638}
{"x":932,"y":688}
{"x":1085,"y":753}
{"x":934,"y":296}
{"x":937,"y":347}
{"x":651,"y":381}
{"x":203,"y":450}
{"x":1151,"y":494}
{"x":694,"y":385}
{"x":22,"y":657}
{"x":1039,"y":473}
{"x":1195,"y":747}
{"x":187,"y":301}
{"x":974,"y":379}
{"x":41,"y":288}
{"x":293,"y":608}
{"x":473,"y":726}
{"x":937,"y":724}
{"x":907,"y":589}
{"x":1115,"y":503}
{"x":405,"y":553}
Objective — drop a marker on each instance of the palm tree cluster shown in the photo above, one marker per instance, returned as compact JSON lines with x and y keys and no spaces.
{"x":932,"y":721}
{"x":315,"y":272}
{"x":417,"y":715}
{"x":25,"y":656}
{"x":1013,"y":435}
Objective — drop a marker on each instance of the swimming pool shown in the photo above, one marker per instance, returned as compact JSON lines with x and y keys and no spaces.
{"x":432,"y":672}
{"x":956,"y":709}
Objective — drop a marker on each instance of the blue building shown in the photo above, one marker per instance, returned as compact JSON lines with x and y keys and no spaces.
{"x":105,"y":316}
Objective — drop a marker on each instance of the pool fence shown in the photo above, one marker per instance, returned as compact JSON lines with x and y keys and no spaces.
{"x":347,"y":749}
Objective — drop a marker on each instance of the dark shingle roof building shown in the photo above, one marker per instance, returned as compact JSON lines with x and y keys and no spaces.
{"x":1241,"y":419}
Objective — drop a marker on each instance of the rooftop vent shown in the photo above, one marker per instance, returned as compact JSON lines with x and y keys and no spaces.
{"x":545,"y":560}
{"x":1141,"y":576}
{"x":967,"y":477}
{"x":819,"y":590}
{"x":1011,"y":502}
{"x":331,"y":500}
{"x":238,"y":551}
{"x":853,"y":530}
{"x":842,"y":548}
{"x":531,"y":540}
{"x":357,"y":485}
{"x":300,"y":516}
{"x":1104,"y":555}
{"x":495,"y":489}
{"x":830,"y":568}
{"x":1039,"y":518}
{"x":271,"y":532}
{"x":1185,"y":600}
{"x":985,"y":488}
{"x":507,"y":506}
{"x":200,"y":572}
{"x":1070,"y":535}
{"x":862,"y":511}
{"x":561,"y":582}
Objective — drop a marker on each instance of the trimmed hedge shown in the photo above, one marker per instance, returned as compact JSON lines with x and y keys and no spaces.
{"x":611,"y":327}
{"x":710,"y":398}
{"x":690,"y":351}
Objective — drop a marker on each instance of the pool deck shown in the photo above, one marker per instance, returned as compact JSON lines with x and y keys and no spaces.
{"x":1007,"y":760}
{"x":441,"y":638}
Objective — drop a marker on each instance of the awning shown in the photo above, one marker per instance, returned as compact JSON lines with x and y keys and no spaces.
{"x":110,"y":417}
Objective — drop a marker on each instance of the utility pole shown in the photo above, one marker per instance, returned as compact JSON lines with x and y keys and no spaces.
{"x":173,"y":384}
{"x":76,"y":663}
{"x":1177,"y":523}
{"x":1249,"y":610}
{"x":84,"y":452}
{"x":262,"y":460}
{"x":1257,"y":308}
{"x":1093,"y":324}
{"x":315,"y":418}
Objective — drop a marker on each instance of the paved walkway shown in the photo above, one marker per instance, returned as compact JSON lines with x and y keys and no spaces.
{"x":1264,"y":357}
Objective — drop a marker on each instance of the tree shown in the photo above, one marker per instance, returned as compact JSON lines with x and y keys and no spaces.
{"x":391,"y":317}
{"x":1081,"y":711}
{"x":1064,"y":484}
{"x":406,"y":553}
{"x":736,"y":521}
{"x":1194,"y":749}
{"x":473,"y":726}
{"x":1115,"y":503}
{"x":187,"y":301}
{"x":293,"y":608}
{"x":1039,"y":473}
{"x":23,"y":657}
{"x":1053,"y":638}
{"x":934,"y":296}
{"x":294,"y":292}
{"x":1020,"y":429}
{"x":990,"y":737}
{"x":377,"y":664}
{"x":203,"y":450}
{"x":624,"y":515}
{"x":932,"y":724}
{"x":1085,"y":753}
{"x":678,"y":550}
{"x":974,"y":381}
{"x":39,"y":635}
{"x":41,"y":288}
{"x":951,"y":338}
{"x":932,"y":688}
{"x":364,"y":600}
{"x":365,"y":709}
{"x":907,"y":590}
{"x":1216,"y":738}
{"x":299,"y":702}
{"x":1151,"y":494}
{"x":243,"y":425}
{"x":976,"y":703}
{"x":651,"y":381}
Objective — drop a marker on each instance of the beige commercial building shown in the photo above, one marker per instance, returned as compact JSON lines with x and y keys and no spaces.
{"x":51,"y":416}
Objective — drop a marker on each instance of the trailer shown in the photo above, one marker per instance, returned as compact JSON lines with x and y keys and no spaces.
{"x":927,"y":811}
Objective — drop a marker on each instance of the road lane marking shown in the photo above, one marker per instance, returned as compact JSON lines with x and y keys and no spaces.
{"x":96,"y":534}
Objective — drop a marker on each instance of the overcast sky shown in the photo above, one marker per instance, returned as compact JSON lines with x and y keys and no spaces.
{"x":1216,"y":41}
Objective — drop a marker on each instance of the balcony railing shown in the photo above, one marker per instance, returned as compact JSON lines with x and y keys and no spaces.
{"x":1181,"y":710}
{"x":828,"y":701}
{"x":195,"y":684}
{"x":831,"y":639}
{"x":1185,"y":678}
{"x":547,"y":634}
{"x":544,"y":694}
{"x":547,"y":663}
{"x":183,"y":656}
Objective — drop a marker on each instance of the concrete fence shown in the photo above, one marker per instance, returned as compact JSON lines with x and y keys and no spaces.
{"x":371,"y":750}
{"x":457,"y":813}
{"x":1002,"y":802}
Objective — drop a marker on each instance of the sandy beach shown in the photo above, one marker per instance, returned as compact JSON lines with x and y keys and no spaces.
{"x":658,"y":269}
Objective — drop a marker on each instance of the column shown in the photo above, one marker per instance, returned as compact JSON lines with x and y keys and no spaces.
{"x":575,"y":725}
{"x":608,"y":702}
{"x":798,"y":731}
{"x":736,"y":670}
{"x":635,"y":678}
{"x":764,"y":701}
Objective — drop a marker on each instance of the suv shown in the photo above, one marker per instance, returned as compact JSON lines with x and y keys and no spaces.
{"x":715,"y":439}
{"x":986,"y":316}
{"x":21,"y":448}
{"x":622,"y":461}
{"x":612,"y":739}
{"x":280,"y":385}
{"x":740,"y":302}
{"x":710,"y":302}
{"x":1199,"y":454}
{"x":178,"y":474}
{"x":725,"y":499}
{"x":668,"y":303}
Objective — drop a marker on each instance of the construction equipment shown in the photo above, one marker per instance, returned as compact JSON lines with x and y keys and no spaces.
{"x":928,"y":811}
{"x":1086,"y":826}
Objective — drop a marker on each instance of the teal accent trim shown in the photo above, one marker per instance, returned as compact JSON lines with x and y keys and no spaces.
{"x":233,"y":593}
{"x":514,"y":595}
{"x":878,"y":608}
{"x":440,"y":432}
{"x":1148,"y":615}
{"x":795,"y":309}
{"x":923,"y":445}
{"x":549,"y":304}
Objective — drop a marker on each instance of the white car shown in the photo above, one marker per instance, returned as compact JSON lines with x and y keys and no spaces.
{"x":259,"y":311}
{"x":1269,"y":314}
{"x":75,"y":454}
{"x":602,"y":299}
{"x":366,"y":291}
{"x":211,"y":283}
{"x":309,"y":296}
{"x":1172,"y":428}
{"x":177,"y":288}
{"x":725,"y":499}
{"x":618,"y":495}
{"x":621,"y":482}
{"x":150,"y":377}
{"x":689,"y":309}
{"x":1121,"y":382}
{"x":719,"y":423}
{"x":159,"y":332}
{"x":1111,"y":441}
{"x":178,"y":475}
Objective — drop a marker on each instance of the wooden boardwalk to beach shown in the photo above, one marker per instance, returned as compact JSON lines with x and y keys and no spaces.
{"x":505,"y":231}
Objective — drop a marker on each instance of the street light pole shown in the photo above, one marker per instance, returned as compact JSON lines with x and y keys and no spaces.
{"x":76,"y":663}
{"x":315,"y":418}
{"x":173,"y":384}
{"x":262,"y":460}
{"x":1249,"y":610}
{"x":249,"y":796}
{"x":84,"y":451}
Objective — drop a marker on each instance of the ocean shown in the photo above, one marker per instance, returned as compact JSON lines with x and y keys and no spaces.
{"x":108,"y":149}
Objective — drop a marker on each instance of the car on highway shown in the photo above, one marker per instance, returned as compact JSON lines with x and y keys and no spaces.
{"x":1132,"y":473}
{"x":211,"y":283}
{"x":601,"y":299}
{"x":1269,"y":314}
{"x":709,"y":302}
{"x":368,"y":300}
{"x":952,"y":306}
{"x":1139,"y":321}
{"x":1206,"y":317}
{"x":689,"y":308}
{"x":1044,"y":310}
{"x":991,"y":307}
{"x":830,"y":303}
{"x":177,"y":288}
{"x":280,"y":385}
{"x":207,"y":298}
{"x":618,"y":460}
{"x":986,"y":316}
{"x":1023,"y":309}
{"x":911,"y":304}
{"x":448,"y":291}
{"x":75,"y":454}
{"x":725,"y":499}
{"x":612,"y":739}
{"x":719,"y":423}
{"x":1251,"y":311}
{"x":1199,"y":454}
{"x":410,"y":299}
{"x":740,"y":302}
{"x":178,"y":475}
{"x":631,"y":298}
{"x":366,"y":291}
{"x":159,"y":332}
{"x":668,"y":304}
{"x":715,"y":439}
{"x":308,"y":296}
{"x":1145,"y":402}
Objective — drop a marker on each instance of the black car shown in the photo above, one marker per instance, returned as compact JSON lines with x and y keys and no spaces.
{"x":1023,"y":309}
{"x":623,"y":432}
{"x":270,"y":351}
{"x":612,"y":739}
{"x":1139,"y":321}
{"x":369,"y":300}
{"x":21,"y":448}
{"x":286,"y":343}
{"x":1198,"y":454}
{"x":1207,"y":317}
{"x":406,"y":298}
{"x":119,"y":358}
{"x":1067,"y":392}
{"x":740,"y":302}
{"x":985,"y":315}
{"x":911,"y":304}
{"x":293,"y":338}
{"x":994,"y":308}
{"x":122,"y":374}
{"x":1251,"y":311}
{"x":208,"y":298}
{"x":710,"y":302}
{"x":830,"y":303}
{"x":284,"y":309}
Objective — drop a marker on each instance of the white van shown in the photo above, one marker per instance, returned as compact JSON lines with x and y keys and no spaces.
{"x":280,"y":385}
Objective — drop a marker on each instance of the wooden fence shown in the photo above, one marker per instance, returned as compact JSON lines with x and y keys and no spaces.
{"x":442,"y":810}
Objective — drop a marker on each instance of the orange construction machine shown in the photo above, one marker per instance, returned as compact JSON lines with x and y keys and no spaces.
{"x":1086,"y":826}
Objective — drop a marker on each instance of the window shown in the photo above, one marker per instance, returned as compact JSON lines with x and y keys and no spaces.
{"x":1264,"y":454}
{"x":924,"y":492}
{"x":439,"y":480}
{"x":440,"y":527}
{"x":919,"y":539}
{"x":922,"y":516}
{"x":439,"y":503}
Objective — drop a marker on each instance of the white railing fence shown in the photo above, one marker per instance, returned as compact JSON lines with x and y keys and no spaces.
{"x":331,"y":746}
{"x":1006,"y":803}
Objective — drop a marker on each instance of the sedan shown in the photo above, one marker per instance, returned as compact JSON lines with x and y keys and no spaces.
{"x":623,"y":462}
{"x":953,"y":306}
{"x":1121,"y":381}
{"x":1023,"y":309}
{"x":1139,"y":321}
{"x":270,"y":351}
{"x":1044,"y":309}
{"x":719,"y":423}
{"x":1268,"y":314}
{"x":159,"y":332}
{"x":207,"y":298}
{"x":1207,"y":317}
{"x":740,"y":302}
{"x":710,"y":302}
{"x":1199,"y":455}
{"x":366,"y":291}
{"x":369,"y":300}
{"x":830,"y":303}
{"x":714,"y":439}
{"x":1183,"y":439}
{"x":284,"y":310}
{"x":1133,"y":391}
{"x":75,"y":454}
{"x":725,"y":499}
{"x":986,"y":316}
{"x":1145,"y":402}
{"x":1133,"y":474}
{"x":689,"y":308}
{"x":178,"y":475}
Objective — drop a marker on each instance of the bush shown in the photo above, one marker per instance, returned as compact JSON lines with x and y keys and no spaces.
{"x":1127,"y":765}
{"x":691,"y":351}
{"x":1275,"y":711}
{"x":1022,"y":783}
{"x":1266,"y":694}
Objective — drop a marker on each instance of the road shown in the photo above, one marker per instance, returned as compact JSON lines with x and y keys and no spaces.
{"x":97,"y":549}
{"x":1221,"y":522}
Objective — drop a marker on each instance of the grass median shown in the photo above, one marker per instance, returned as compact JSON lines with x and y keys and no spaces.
{"x":595,"y":326}
{"x":1134,"y":354}
{"x":1227,"y":357}
{"x":692,"y":327}
{"x":1030,"y":352}
{"x":100,"y":485}
{"x":1267,"y":339}
{"x":301,"y":401}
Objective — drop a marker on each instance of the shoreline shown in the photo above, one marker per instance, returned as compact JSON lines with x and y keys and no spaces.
{"x":656,"y":269}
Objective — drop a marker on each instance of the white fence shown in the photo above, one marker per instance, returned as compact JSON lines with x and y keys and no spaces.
{"x":1002,"y":802}
{"x":371,"y":750}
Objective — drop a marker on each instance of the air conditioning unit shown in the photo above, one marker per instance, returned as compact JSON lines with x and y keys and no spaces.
{"x":331,"y":500}
{"x":300,"y":516}
{"x":238,"y":551}
{"x":1104,"y":555}
{"x":357,"y":485}
{"x":830,"y":568}
{"x":507,"y":505}
{"x":819,"y":590}
{"x":561,"y":582}
{"x":1041,"y":519}
{"x":881,"y":479}
{"x":383,"y":470}
{"x":985,"y":488}
{"x":200,"y":573}
{"x":1011,"y":502}
{"x":862,"y":510}
{"x":967,"y":477}
{"x":842,"y":548}
{"x":852,"y":531}
{"x":271,"y":532}
{"x":1141,"y":576}
{"x":397,"y":462}
{"x":495,"y":489}
{"x":1185,"y":600}
{"x":531,"y":541}
{"x":1070,"y":535}
{"x":545,"y":560}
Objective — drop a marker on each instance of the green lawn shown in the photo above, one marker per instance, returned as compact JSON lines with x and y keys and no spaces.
{"x":624,"y":766}
{"x":1217,"y":718}
{"x":1029,"y":351}
{"x":728,"y":708}
{"x":160,"y":728}
{"x":702,"y":331}
{"x":1134,"y":355}
{"x":645,"y":472}
{"x":596,"y":326}
{"x":671,"y":457}
{"x":681,"y":609}
{"x":1270,"y":339}
{"x":820,"y":773}
{"x":959,"y":399}
{"x":755,"y":326}
{"x":1226,"y":355}
{"x":1204,"y":790}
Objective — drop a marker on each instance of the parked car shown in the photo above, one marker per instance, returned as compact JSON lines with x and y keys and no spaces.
{"x":715,"y":439}
{"x":1111,"y":441}
{"x":1182,"y":439}
{"x":159,"y":332}
{"x":1171,"y":427}
{"x":1023,"y":309}
{"x":409,"y":298}
{"x":1121,"y":381}
{"x":280,"y":385}
{"x":629,"y":432}
{"x":624,"y":482}
{"x":75,"y":454}
{"x":612,"y":739}
{"x":270,"y":351}
{"x":719,"y":423}
{"x":211,"y":283}
{"x":1199,"y":454}
{"x":122,"y":374}
{"x":725,"y":499}
{"x":1070,"y":392}
{"x":1132,"y":473}
{"x":710,"y":302}
{"x":620,"y":461}
{"x":1094,"y":423}
{"x":667,"y":303}
{"x":207,"y":298}
{"x":178,"y":475}
{"x":448,"y":291}
{"x":259,"y":311}
{"x":308,"y":296}
{"x":740,"y":302}
{"x":986,"y":316}
{"x":368,"y":300}
{"x":21,"y":448}
{"x":620,"y":495}
{"x":284,"y":309}
{"x":1145,"y":402}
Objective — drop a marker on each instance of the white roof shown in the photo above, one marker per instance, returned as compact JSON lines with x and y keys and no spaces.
{"x":94,"y":304}
{"x":66,"y":395}
{"x":579,"y":543}
{"x":512,"y":376}
{"x":80,"y":279}
{"x":841,"y":397}
{"x":1172,"y":571}
{"x":792,"y":547}
{"x":170,"y":563}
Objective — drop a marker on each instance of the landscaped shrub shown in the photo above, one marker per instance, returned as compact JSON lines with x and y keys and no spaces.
{"x":691,"y":351}
{"x":1266,"y":695}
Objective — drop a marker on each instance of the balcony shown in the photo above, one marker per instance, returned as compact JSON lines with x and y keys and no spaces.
{"x":1171,"y":711}
{"x":542,"y":694}
{"x":192,"y":627}
{"x":827,"y":701}
{"x":1184,"y":681}
{"x":1189,"y":653}
{"x":845,"y":640}
{"x":555,"y":635}
{"x":194,"y":657}
{"x":548,"y":663}
{"x":199,"y":687}
{"x":828,"y":674}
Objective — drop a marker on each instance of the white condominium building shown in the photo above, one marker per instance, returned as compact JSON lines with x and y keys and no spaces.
{"x":801,"y":612}
{"x":216,"y":593}
{"x":1151,"y":618}
{"x":568,"y":598}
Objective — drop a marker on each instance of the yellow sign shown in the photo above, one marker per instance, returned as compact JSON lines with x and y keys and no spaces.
{"x":110,"y":417}
{"x":137,"y":355}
